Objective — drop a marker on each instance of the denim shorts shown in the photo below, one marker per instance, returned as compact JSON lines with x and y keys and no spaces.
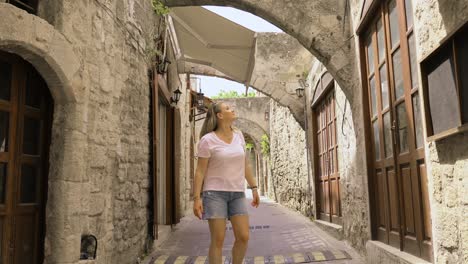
{"x":223,"y":205}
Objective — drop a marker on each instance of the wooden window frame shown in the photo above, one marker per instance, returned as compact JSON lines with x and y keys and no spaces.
{"x":322,"y":87}
{"x":447,"y":43}
{"x":368,"y":7}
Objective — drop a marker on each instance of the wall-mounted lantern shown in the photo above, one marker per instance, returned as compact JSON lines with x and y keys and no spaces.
{"x":200,"y":100}
{"x":267,"y":115}
{"x":176,"y":97}
{"x":300,"y":92}
{"x":163,"y":65}
{"x":302,"y":85}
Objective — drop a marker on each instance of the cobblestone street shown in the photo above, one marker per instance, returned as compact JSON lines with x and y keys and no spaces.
{"x":278,"y":235}
{"x":350,"y":118}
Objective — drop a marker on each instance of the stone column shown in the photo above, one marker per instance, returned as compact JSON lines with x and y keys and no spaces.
{"x":67,"y":199}
{"x":261,"y":175}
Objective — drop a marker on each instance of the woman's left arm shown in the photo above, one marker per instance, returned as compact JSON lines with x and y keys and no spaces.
{"x":252,"y":183}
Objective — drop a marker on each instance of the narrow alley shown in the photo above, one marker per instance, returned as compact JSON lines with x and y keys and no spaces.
{"x":119,"y":118}
{"x":278,"y":235}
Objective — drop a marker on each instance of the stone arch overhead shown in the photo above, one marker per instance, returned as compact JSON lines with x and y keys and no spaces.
{"x":282,"y":99}
{"x":199,"y":69}
{"x":44,"y":47}
{"x":279,"y":58}
{"x":323,"y":27}
{"x":252,"y":128}
{"x":252,"y":109}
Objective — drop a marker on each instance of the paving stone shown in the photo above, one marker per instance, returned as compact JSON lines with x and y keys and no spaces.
{"x":278,"y":235}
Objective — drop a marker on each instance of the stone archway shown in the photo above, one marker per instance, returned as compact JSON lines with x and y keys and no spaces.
{"x":278,"y":59}
{"x":252,"y":128}
{"x":251,"y":109}
{"x":44,"y":47}
{"x":322,"y":27}
{"x":254,"y":131}
{"x":54,"y":58}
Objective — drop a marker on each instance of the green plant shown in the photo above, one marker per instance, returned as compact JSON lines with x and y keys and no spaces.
{"x":249,"y":146}
{"x":152,"y":54}
{"x":265,"y":144}
{"x":231,"y":94}
{"x":159,"y":7}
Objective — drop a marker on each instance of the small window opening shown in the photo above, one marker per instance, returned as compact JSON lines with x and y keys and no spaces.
{"x":88,"y":247}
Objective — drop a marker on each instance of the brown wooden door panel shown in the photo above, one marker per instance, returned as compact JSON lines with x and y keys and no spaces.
{"x":425,"y":201}
{"x":393,"y":201}
{"x":391,"y":87}
{"x":326,"y":172}
{"x":335,"y":196}
{"x":24,"y":139}
{"x":323,"y":202}
{"x":326,"y":198}
{"x":27,"y":233}
{"x":426,"y":236}
{"x":408,"y":201}
{"x":381,"y":196}
{"x":155,"y":140}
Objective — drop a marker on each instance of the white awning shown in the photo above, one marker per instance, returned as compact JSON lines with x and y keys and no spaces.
{"x":209,"y":39}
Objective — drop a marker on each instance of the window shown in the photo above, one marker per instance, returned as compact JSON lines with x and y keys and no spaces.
{"x":445,"y":84}
{"x":29,"y":5}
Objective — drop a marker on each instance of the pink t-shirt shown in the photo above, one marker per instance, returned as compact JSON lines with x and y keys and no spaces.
{"x":226,"y":164}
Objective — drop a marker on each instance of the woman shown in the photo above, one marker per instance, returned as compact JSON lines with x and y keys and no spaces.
{"x":222,"y":169}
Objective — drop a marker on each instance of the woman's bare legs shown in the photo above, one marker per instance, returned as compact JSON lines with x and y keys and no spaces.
{"x":240,"y":226}
{"x":217,"y":232}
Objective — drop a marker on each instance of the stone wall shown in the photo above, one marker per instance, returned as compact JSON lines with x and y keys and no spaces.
{"x":183,"y":163}
{"x":289,"y":179}
{"x":448,"y":158}
{"x":251,"y":108}
{"x":99,"y":156}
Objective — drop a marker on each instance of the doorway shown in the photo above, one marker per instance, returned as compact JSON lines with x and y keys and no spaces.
{"x":398,"y":180}
{"x":26,"y":108}
{"x":326,"y":158}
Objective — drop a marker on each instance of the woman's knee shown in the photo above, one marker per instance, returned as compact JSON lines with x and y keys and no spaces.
{"x":217,"y":240}
{"x":243,"y":236}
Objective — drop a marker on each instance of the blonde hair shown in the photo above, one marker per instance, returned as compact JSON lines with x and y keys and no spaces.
{"x":211,"y":121}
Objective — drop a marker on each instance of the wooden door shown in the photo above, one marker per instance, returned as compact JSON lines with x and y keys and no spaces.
{"x":162,"y":167}
{"x":398,"y":180}
{"x":326,"y":160}
{"x":154,"y":121}
{"x":25,"y":115}
{"x":166,"y":183}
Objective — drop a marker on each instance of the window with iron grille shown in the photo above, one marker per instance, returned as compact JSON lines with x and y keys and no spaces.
{"x":29,"y":5}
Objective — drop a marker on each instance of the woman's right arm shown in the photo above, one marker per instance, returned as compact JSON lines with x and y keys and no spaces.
{"x":202,"y":164}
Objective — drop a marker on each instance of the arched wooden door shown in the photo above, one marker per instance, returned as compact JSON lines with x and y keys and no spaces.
{"x":25,"y":118}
